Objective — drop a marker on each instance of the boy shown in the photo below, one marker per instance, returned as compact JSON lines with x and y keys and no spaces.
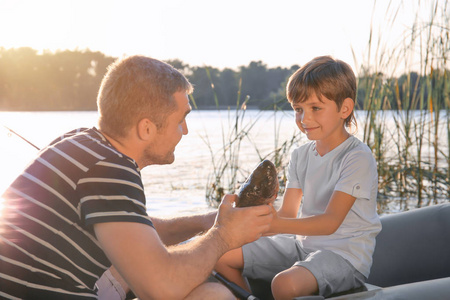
{"x":333,"y":181}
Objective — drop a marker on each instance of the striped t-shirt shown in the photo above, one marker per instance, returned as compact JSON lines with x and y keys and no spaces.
{"x":47,"y":246}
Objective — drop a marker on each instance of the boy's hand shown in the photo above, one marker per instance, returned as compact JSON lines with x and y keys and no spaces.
{"x":239,"y":226}
{"x":275,"y":219}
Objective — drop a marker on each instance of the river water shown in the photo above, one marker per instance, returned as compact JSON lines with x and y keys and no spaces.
{"x":170,"y":189}
{"x":178,"y":188}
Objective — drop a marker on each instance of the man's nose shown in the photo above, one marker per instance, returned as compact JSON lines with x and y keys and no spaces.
{"x":185,"y":128}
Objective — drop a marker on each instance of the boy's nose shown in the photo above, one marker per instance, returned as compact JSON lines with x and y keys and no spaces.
{"x":303,"y":118}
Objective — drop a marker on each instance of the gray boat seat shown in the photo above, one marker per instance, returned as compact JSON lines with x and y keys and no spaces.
{"x":412,"y":252}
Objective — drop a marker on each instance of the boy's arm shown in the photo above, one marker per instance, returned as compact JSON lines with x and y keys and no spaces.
{"x":324,"y":224}
{"x":292,"y":199}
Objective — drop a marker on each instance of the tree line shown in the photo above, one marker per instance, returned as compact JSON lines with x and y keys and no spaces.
{"x":69,"y":80}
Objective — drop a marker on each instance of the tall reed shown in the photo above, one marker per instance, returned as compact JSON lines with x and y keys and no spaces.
{"x":227,"y":173}
{"x":223,"y":178}
{"x":417,"y":170}
{"x":406,"y":119}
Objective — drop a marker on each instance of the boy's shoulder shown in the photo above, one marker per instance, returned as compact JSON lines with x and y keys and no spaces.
{"x":304,"y":147}
{"x":359,"y":151}
{"x":302,"y":152}
{"x":357,"y":145}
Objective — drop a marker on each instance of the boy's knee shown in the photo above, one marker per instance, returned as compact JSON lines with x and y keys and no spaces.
{"x":232,"y":259}
{"x":283,"y":286}
{"x":293,"y":282}
{"x":221,"y":265}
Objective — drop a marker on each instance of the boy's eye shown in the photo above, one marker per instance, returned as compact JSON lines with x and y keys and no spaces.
{"x":297,"y":109}
{"x":316,"y":108}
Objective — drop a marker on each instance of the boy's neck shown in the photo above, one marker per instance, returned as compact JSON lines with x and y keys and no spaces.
{"x":323,"y":147}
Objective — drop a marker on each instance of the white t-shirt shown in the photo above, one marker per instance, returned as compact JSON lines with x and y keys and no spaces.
{"x":349,"y":168}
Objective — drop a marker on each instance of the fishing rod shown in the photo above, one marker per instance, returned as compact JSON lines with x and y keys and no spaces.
{"x":12,"y":131}
{"x":234,"y":288}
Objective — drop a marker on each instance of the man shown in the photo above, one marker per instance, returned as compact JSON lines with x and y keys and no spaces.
{"x":79,"y":208}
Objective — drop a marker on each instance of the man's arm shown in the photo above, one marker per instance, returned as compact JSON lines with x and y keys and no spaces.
{"x":153,"y":271}
{"x":176,"y":230}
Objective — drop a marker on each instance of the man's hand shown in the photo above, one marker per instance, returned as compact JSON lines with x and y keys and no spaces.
{"x":136,"y":250}
{"x":239,"y":226}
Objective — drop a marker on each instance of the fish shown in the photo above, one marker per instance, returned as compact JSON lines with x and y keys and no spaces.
{"x":261,"y":187}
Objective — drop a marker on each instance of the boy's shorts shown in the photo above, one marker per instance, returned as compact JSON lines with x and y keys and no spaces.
{"x":269,"y":256}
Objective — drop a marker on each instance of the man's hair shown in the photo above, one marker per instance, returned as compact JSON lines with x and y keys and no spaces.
{"x":325,"y":76}
{"x":138,"y":87}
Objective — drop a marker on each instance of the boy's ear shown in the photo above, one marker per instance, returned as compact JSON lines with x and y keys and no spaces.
{"x":347,"y":107}
{"x":145,"y":129}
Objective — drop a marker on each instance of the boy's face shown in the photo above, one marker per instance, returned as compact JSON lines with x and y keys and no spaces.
{"x":320,"y":120}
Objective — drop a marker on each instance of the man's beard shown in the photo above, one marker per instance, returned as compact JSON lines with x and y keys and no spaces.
{"x":155,"y":159}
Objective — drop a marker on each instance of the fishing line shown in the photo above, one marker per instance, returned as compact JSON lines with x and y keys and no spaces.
{"x":13,"y":132}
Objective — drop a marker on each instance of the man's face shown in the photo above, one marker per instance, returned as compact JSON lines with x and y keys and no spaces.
{"x":161,"y":150}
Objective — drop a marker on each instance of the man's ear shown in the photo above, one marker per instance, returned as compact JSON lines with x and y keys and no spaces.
{"x":145,"y":129}
{"x":347,"y":107}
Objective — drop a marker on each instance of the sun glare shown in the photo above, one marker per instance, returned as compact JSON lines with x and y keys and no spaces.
{"x":1,"y":207}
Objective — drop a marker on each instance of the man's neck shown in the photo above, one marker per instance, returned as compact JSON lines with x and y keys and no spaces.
{"x":124,"y":146}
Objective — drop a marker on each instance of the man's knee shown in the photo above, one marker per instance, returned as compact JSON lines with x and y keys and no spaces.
{"x":109,"y":287}
{"x":211,"y":290}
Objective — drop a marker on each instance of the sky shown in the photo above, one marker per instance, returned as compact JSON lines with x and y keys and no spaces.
{"x":222,"y":34}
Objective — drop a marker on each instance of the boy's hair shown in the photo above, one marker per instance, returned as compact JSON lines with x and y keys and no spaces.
{"x":325,"y":76}
{"x":138,"y":87}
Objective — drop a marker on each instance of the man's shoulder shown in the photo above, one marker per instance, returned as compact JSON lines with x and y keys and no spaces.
{"x":89,"y":146}
{"x":68,"y":135}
